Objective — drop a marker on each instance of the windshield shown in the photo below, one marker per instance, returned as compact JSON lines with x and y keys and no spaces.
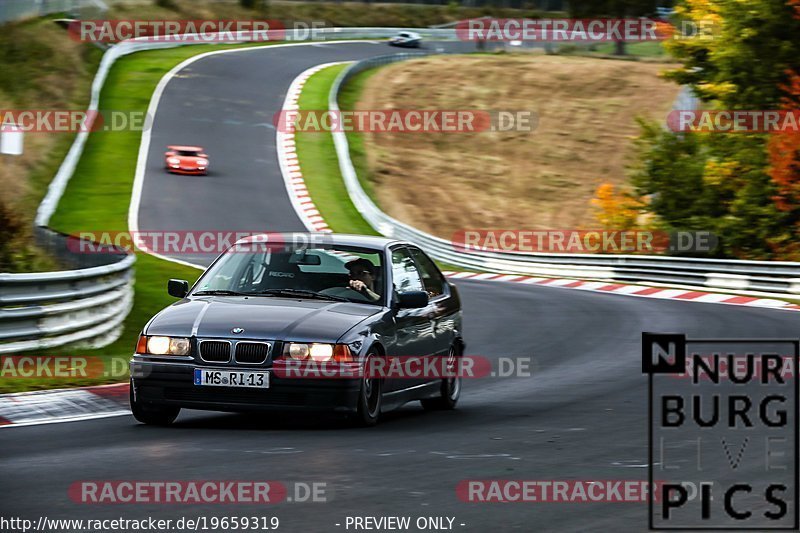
{"x":187,"y":152}
{"x":330,"y":273}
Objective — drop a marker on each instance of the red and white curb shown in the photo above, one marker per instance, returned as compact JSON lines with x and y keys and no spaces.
{"x":632,"y":290}
{"x":63,"y":405}
{"x":287,"y":157}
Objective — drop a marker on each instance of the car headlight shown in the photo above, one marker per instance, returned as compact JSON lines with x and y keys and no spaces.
{"x":319,"y":352}
{"x":160,"y":345}
{"x":173,"y":161}
{"x":296,"y":351}
{"x":202,"y":162}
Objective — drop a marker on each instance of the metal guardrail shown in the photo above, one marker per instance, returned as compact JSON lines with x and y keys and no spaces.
{"x":47,"y":309}
{"x":733,"y":275}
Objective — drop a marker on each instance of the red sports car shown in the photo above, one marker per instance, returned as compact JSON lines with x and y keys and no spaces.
{"x":186,"y":160}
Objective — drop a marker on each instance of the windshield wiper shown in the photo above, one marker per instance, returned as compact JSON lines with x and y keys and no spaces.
{"x":219,"y":292}
{"x":301,"y":292}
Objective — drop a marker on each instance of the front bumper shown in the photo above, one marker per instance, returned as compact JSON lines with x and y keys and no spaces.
{"x":160,"y":383}
{"x":190,"y":171}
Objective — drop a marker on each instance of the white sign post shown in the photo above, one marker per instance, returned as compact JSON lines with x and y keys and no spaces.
{"x":10,"y":139}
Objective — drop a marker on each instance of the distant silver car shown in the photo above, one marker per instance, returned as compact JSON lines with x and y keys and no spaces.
{"x":406,"y":39}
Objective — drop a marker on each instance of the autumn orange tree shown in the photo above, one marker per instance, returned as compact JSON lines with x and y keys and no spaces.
{"x":784,"y":169}
{"x":615,"y":209}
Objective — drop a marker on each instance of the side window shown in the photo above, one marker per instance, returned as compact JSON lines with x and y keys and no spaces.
{"x":404,"y":272}
{"x":431,"y":279}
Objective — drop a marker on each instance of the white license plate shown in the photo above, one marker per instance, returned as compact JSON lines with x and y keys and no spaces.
{"x":231,"y":378}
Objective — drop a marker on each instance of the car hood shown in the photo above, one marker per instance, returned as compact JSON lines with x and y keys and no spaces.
{"x":260,"y":317}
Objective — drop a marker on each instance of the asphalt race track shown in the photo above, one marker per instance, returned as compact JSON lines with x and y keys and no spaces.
{"x":226,"y":103}
{"x":581,"y":415}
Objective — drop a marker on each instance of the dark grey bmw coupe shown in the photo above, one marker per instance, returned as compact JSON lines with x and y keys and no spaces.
{"x":269,"y":308}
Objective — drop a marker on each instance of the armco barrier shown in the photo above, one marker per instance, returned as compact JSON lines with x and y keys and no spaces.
{"x":47,"y":309}
{"x":733,"y":275}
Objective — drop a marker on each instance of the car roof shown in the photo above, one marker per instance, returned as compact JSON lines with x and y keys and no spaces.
{"x":185,"y":148}
{"x":341,"y":239}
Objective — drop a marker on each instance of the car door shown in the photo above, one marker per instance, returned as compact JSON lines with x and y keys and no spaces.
{"x":442,"y":309}
{"x":413,"y":326}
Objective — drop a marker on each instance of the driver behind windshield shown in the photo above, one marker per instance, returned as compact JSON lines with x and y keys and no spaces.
{"x":362,"y":278}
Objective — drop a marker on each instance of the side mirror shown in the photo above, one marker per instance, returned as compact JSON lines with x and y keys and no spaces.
{"x":412,"y":299}
{"x":178,"y":288}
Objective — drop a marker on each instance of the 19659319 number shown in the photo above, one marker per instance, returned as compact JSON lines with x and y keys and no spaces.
{"x":231,"y":378}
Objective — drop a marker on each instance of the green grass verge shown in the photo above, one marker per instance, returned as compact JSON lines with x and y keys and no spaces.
{"x":641,"y":50}
{"x":320,"y":166}
{"x":97,"y":199}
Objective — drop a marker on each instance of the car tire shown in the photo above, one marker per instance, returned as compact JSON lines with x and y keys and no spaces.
{"x":369,"y":398}
{"x":450,"y":390}
{"x":153,"y":415}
